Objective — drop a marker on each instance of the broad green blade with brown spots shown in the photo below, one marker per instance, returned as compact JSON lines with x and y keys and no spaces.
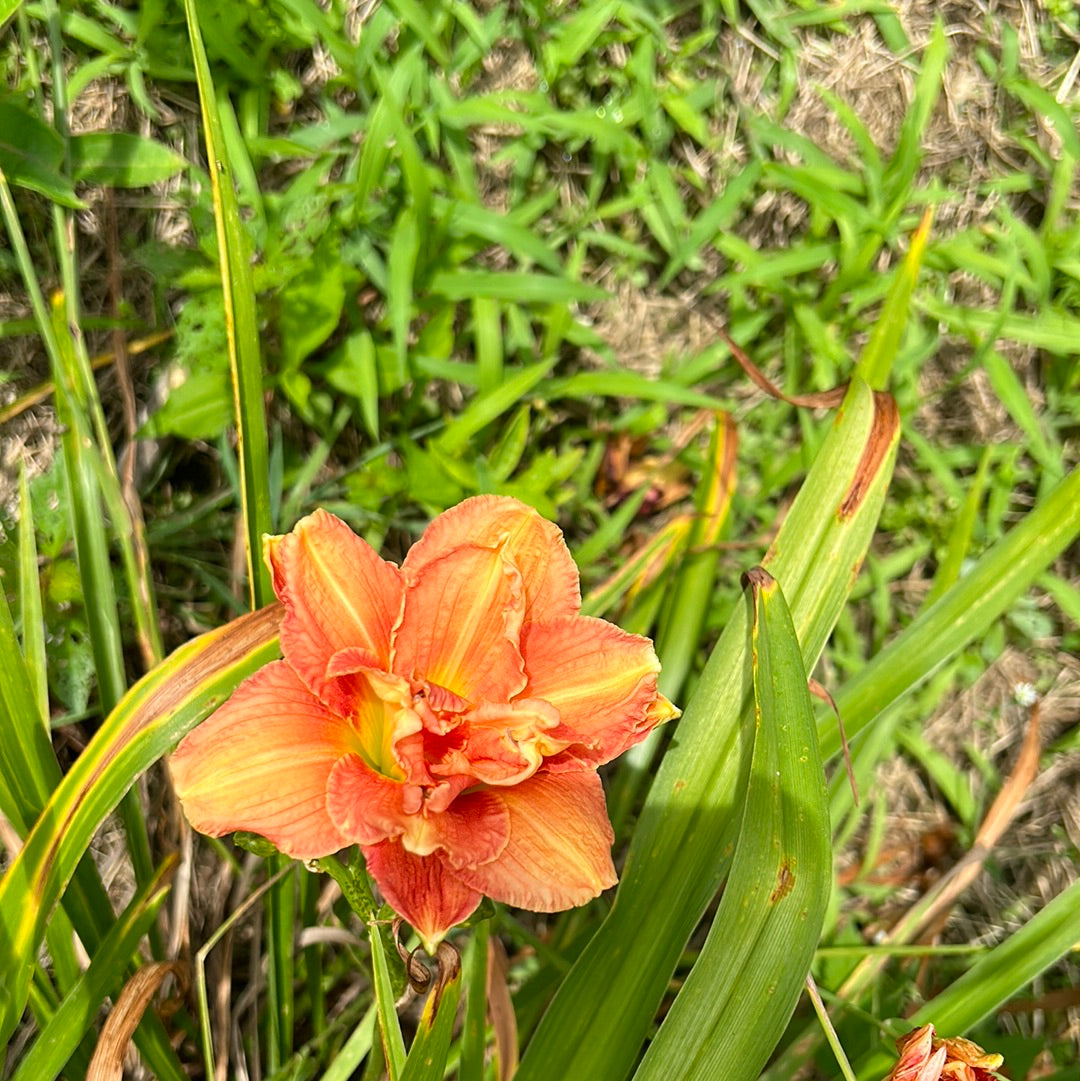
{"x":742,"y":990}
{"x":681,"y":849}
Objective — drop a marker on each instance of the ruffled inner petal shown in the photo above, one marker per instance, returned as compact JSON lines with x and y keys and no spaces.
{"x":337,"y":593}
{"x":600,"y":679}
{"x":422,"y":889}
{"x":503,"y":744}
{"x":261,"y":763}
{"x":534,"y":545}
{"x":367,"y":807}
{"x":559,"y":851}
{"x":461,"y":625}
{"x":469,"y":828}
{"x":380,"y":707}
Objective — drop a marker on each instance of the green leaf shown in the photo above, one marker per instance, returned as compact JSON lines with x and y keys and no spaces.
{"x":963,"y":613}
{"x":312,"y":302}
{"x":122,"y":160}
{"x":234,"y":260}
{"x":741,"y":992}
{"x":30,"y":610}
{"x":32,"y":155}
{"x":201,"y":407}
{"x":880,"y":351}
{"x":354,"y":371}
{"x":681,"y":847}
{"x":27,"y":763}
{"x":575,"y":36}
{"x":431,"y":1045}
{"x":7,"y":9}
{"x":389,"y":1026}
{"x":51,"y":1051}
{"x":520,"y":286}
{"x":485,"y":408}
{"x":150,"y":719}
{"x":404,"y":248}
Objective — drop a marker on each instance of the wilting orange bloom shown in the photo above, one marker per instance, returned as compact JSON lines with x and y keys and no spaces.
{"x":923,"y":1057}
{"x":447,"y":716}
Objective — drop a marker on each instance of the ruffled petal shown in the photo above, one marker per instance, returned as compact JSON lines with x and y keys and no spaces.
{"x":468,"y":828}
{"x":559,"y":851}
{"x":919,"y":1061}
{"x":366,"y":807}
{"x":337,"y":593}
{"x":461,"y":625}
{"x":535,"y":545}
{"x":422,"y":889}
{"x":380,"y":707}
{"x":261,"y":763}
{"x":600,"y":679}
{"x":503,"y":744}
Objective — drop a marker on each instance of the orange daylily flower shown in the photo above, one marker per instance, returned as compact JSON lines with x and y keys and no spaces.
{"x":923,"y":1057}
{"x":447,"y":716}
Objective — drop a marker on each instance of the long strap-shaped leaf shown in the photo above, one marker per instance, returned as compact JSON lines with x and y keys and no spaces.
{"x":746,"y":982}
{"x":962,"y":613}
{"x":241,"y":323}
{"x":431,"y":1046}
{"x":151,"y":717}
{"x":50,"y":1052}
{"x":681,"y":847}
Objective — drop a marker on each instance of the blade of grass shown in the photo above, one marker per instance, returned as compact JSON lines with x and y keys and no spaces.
{"x":126,"y":520}
{"x":241,"y":322}
{"x":961,"y":533}
{"x":474,"y":1029}
{"x":964,"y":612}
{"x":485,"y":408}
{"x":431,"y":1046}
{"x":30,"y":611}
{"x":51,"y":1051}
{"x":878,"y":356}
{"x":84,"y":505}
{"x":356,"y":1048}
{"x":95,"y":568}
{"x":404,"y":248}
{"x":390,"y":1028}
{"x":215,"y":937}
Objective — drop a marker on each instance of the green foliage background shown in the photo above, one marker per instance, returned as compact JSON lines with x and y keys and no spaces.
{"x":490,"y":247}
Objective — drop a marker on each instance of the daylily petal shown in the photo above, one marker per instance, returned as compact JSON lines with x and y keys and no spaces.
{"x":559,"y":851}
{"x":367,"y":808}
{"x":261,"y":763}
{"x":461,"y":625}
{"x":380,"y":707}
{"x":422,"y":889}
{"x":504,"y":744}
{"x":535,"y":545}
{"x":968,"y":1060}
{"x":919,"y":1060}
{"x":600,"y":679}
{"x":337,"y":593}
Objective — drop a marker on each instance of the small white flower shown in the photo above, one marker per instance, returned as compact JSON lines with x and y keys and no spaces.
{"x":1025,"y":694}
